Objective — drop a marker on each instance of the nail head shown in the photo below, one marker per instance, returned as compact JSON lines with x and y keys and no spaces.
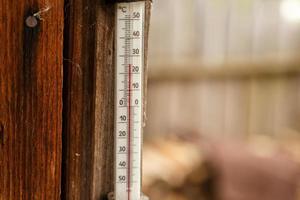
{"x":31,"y":21}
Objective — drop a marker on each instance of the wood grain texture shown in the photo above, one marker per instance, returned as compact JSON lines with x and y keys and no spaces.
{"x":103,"y":168}
{"x":79,"y":98}
{"x":30,"y":99}
{"x":88,"y":158}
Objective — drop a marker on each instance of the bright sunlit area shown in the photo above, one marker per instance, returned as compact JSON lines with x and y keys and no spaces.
{"x":290,"y":10}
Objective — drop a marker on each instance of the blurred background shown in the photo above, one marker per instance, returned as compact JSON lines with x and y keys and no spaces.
{"x":223,"y":100}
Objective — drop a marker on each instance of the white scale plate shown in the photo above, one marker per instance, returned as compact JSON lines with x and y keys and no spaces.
{"x":129,"y":59}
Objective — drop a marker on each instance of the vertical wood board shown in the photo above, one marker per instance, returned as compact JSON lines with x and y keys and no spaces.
{"x":30,"y":99}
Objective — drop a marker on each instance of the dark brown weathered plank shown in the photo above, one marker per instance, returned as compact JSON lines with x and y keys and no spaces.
{"x":89,"y":99}
{"x":104,"y":104}
{"x":89,"y":24}
{"x":30,"y":99}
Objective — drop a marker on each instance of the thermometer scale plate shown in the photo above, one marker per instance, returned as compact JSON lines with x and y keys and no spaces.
{"x":129,"y":61}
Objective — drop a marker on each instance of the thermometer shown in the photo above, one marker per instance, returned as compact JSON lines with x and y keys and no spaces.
{"x":129,"y":69}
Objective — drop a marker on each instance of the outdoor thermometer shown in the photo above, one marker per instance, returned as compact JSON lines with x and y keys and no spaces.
{"x":129,"y":69}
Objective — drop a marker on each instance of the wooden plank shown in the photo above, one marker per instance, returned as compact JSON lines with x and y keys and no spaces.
{"x":286,"y":106}
{"x":89,"y":95}
{"x":262,"y":106}
{"x":267,"y":68}
{"x":237,"y":102}
{"x":211,"y":107}
{"x":79,"y":95}
{"x":162,"y":44}
{"x":158,"y":121}
{"x":30,"y":99}
{"x":266,"y":20}
{"x":215,"y":31}
{"x":237,"y":87}
{"x":263,"y":91}
{"x":286,"y":103}
{"x":240,"y":29}
{"x":104,"y":108}
{"x":173,"y":109}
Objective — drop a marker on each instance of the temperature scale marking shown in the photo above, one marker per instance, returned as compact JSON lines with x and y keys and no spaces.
{"x":129,"y":90}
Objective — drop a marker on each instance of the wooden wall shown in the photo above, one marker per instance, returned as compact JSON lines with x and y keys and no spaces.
{"x":57,"y":99}
{"x":223,"y":68}
{"x":31,"y":81}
